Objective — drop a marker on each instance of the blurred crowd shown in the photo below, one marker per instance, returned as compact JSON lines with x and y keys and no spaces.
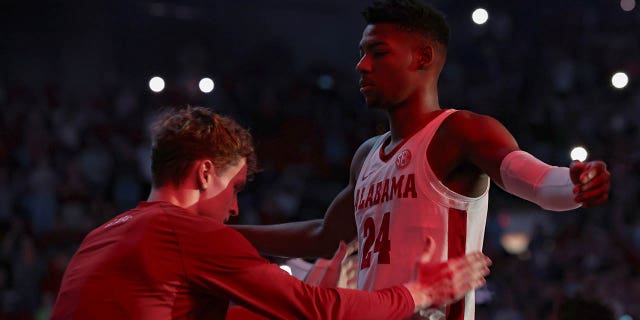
{"x":70,"y":161}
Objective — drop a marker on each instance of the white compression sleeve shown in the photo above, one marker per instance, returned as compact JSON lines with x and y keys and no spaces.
{"x":529,"y":178}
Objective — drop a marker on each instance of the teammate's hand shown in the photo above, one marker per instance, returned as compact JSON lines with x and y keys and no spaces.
{"x":349,"y":268}
{"x":591,"y":182}
{"x":446,"y":282}
{"x":327,"y":273}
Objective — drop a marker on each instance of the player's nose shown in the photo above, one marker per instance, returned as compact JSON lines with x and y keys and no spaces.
{"x":363,"y":64}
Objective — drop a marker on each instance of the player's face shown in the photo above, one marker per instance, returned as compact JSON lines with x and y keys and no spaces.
{"x":388,"y":65}
{"x":220,"y":199}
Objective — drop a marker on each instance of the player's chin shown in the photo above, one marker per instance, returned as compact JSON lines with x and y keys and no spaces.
{"x":372,"y":103}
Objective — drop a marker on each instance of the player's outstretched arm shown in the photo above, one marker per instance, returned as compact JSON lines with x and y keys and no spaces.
{"x":486,"y":143}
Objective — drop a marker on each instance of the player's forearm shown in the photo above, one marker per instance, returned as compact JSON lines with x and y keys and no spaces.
{"x":295,"y":239}
{"x":529,"y":178}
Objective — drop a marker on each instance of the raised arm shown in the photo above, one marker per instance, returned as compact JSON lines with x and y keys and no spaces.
{"x":313,"y":238}
{"x":487,"y":144}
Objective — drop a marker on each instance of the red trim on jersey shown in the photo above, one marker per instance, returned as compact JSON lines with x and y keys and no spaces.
{"x":387,"y":157}
{"x":457,"y":239}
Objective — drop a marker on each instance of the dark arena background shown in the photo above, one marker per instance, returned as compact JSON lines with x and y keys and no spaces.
{"x":80,"y":80}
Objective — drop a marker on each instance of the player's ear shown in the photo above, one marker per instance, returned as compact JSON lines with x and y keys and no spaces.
{"x":426,"y":56}
{"x":205,"y":172}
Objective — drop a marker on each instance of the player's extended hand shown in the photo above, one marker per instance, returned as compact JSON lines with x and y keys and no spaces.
{"x":591,"y":182}
{"x":446,"y":282}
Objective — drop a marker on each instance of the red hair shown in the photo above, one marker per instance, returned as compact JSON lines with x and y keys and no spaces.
{"x":181,"y":136}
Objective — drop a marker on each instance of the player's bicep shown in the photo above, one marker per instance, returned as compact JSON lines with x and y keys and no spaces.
{"x":485,"y":142}
{"x":339,"y":222}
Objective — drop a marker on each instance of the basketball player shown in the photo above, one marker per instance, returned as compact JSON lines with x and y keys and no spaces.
{"x":427,"y":179}
{"x":172,"y":257}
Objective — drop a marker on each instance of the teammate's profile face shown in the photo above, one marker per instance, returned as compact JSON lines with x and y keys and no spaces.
{"x":388,"y":65}
{"x":220,"y":199}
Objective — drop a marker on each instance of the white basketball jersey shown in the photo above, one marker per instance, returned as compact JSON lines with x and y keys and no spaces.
{"x":399,"y":203}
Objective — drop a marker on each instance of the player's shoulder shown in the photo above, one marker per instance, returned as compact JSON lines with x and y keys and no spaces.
{"x":194,"y":229}
{"x":467,"y":117}
{"x":361,"y":155}
{"x":364,"y":148}
{"x":468,"y":129}
{"x":368,"y":144}
{"x":468,"y":122}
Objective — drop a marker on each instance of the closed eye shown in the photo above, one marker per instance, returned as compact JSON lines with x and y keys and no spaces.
{"x":380,"y":53}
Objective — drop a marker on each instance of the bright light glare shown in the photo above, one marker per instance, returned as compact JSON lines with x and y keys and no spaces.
{"x":480,"y":16}
{"x":579,"y":153}
{"x":206,"y":85}
{"x":627,"y":5}
{"x":626,"y":317}
{"x":620,"y":80}
{"x":156,"y":84}
{"x":286,"y":268}
{"x":515,"y":242}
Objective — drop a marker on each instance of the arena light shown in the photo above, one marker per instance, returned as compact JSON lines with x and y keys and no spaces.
{"x":206,"y":85}
{"x":579,"y":153}
{"x":286,"y":268}
{"x":480,"y":16}
{"x":325,"y":82}
{"x":156,"y":84}
{"x":515,"y":243}
{"x":619,"y":80}
{"x":627,"y":5}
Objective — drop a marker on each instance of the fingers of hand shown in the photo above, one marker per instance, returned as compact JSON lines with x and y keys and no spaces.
{"x":457,"y":276}
{"x":472,"y":261}
{"x":576,"y":165}
{"x":429,"y":249}
{"x":596,"y":201}
{"x":597,"y":181}
{"x":575,"y":169}
{"x":352,"y":247}
{"x":341,"y":252}
{"x":591,"y":170}
{"x":469,"y":273}
{"x":594,"y":194}
{"x":470,"y":276}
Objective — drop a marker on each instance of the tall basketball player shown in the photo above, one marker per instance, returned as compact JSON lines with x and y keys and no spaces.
{"x":426,"y":181}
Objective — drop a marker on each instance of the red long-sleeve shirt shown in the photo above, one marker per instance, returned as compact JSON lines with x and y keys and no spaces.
{"x":158,"y":261}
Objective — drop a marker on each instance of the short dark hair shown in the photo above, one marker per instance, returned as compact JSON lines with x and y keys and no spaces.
{"x":412,"y":15}
{"x":183,"y":135}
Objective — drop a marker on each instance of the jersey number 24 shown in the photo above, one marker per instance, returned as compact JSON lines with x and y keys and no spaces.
{"x":379,"y":241}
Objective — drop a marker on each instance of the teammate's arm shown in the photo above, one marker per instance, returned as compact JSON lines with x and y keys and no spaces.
{"x":487,"y":144}
{"x":241,"y":276}
{"x":313,"y":238}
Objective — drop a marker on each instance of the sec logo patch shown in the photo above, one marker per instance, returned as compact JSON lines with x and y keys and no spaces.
{"x":403,"y":159}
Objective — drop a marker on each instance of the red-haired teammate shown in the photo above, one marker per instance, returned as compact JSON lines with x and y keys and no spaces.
{"x":428,"y":177}
{"x":172,"y":257}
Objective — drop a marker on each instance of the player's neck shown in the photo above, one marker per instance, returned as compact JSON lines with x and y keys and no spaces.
{"x":177,"y":196}
{"x":406,"y":120}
